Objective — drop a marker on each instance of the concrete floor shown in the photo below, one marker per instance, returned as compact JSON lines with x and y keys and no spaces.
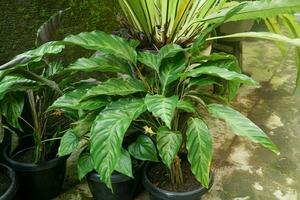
{"x":243,"y":170}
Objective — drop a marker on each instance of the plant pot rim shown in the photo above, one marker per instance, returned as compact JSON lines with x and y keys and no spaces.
{"x":30,"y":167}
{"x":13,"y":185}
{"x":152,"y":188}
{"x":115,"y":177}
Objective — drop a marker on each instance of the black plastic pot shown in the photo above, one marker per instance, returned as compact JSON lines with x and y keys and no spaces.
{"x":124,"y":187}
{"x":40,"y":181}
{"x":12,"y":190}
{"x":160,"y":194}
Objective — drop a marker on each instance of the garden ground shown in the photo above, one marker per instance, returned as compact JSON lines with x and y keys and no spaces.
{"x":242,"y":169}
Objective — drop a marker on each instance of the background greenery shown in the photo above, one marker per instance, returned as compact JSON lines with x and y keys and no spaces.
{"x":19,"y":20}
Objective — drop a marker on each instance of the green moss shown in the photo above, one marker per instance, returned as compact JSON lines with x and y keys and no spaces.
{"x":19,"y":21}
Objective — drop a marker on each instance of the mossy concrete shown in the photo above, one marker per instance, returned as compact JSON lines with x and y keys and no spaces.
{"x":243,"y":170}
{"x":20,"y":20}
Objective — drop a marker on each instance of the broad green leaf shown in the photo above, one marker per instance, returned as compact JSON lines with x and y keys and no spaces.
{"x":186,"y":106}
{"x":154,"y":60}
{"x":83,"y":126}
{"x":124,"y":165}
{"x":93,"y":103}
{"x":169,"y":51}
{"x":68,"y":143}
{"x":199,"y":146}
{"x":150,"y":59}
{"x":162,"y":107}
{"x":11,"y":107}
{"x":168,"y":144}
{"x":107,"y":134}
{"x":143,"y":149}
{"x":71,"y":100}
{"x":202,"y":82}
{"x":222,"y":73}
{"x":170,"y":70}
{"x":241,"y":125}
{"x":116,"y":86}
{"x":262,"y":35}
{"x":34,"y":55}
{"x":258,"y":9}
{"x":103,"y":63}
{"x":105,"y":43}
{"x":15,"y":84}
{"x":85,"y":164}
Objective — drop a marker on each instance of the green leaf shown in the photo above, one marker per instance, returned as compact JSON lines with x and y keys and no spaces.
{"x":199,"y":146}
{"x":171,"y":70}
{"x":222,"y":73}
{"x":168,"y":144}
{"x":262,"y":35}
{"x":124,"y":165}
{"x":162,"y":107}
{"x":258,"y":9}
{"x":105,"y":43}
{"x":150,"y":59}
{"x":116,"y":86}
{"x":186,"y":106}
{"x":11,"y":107}
{"x":169,"y":51}
{"x":83,"y":126}
{"x":143,"y":149}
{"x":154,"y":60}
{"x":68,"y":143}
{"x":103,"y":63}
{"x":85,"y":164}
{"x":71,"y":100}
{"x":107,"y":134}
{"x":15,"y":84}
{"x":241,"y":125}
{"x":34,"y":55}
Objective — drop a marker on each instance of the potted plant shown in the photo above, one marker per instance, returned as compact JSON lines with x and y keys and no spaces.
{"x":33,"y":81}
{"x":161,"y":93}
{"x":8,"y":183}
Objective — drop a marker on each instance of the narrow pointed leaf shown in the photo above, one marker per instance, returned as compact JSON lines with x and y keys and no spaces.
{"x":143,"y":149}
{"x":168,"y":144}
{"x":258,"y":9}
{"x":199,"y":146}
{"x":241,"y":125}
{"x":162,"y":107}
{"x":262,"y":35}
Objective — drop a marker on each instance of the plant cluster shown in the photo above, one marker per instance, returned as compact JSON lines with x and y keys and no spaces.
{"x":167,"y":93}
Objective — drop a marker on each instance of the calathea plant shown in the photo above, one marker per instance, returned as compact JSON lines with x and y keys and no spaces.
{"x":32,"y":79}
{"x":167,"y":94}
